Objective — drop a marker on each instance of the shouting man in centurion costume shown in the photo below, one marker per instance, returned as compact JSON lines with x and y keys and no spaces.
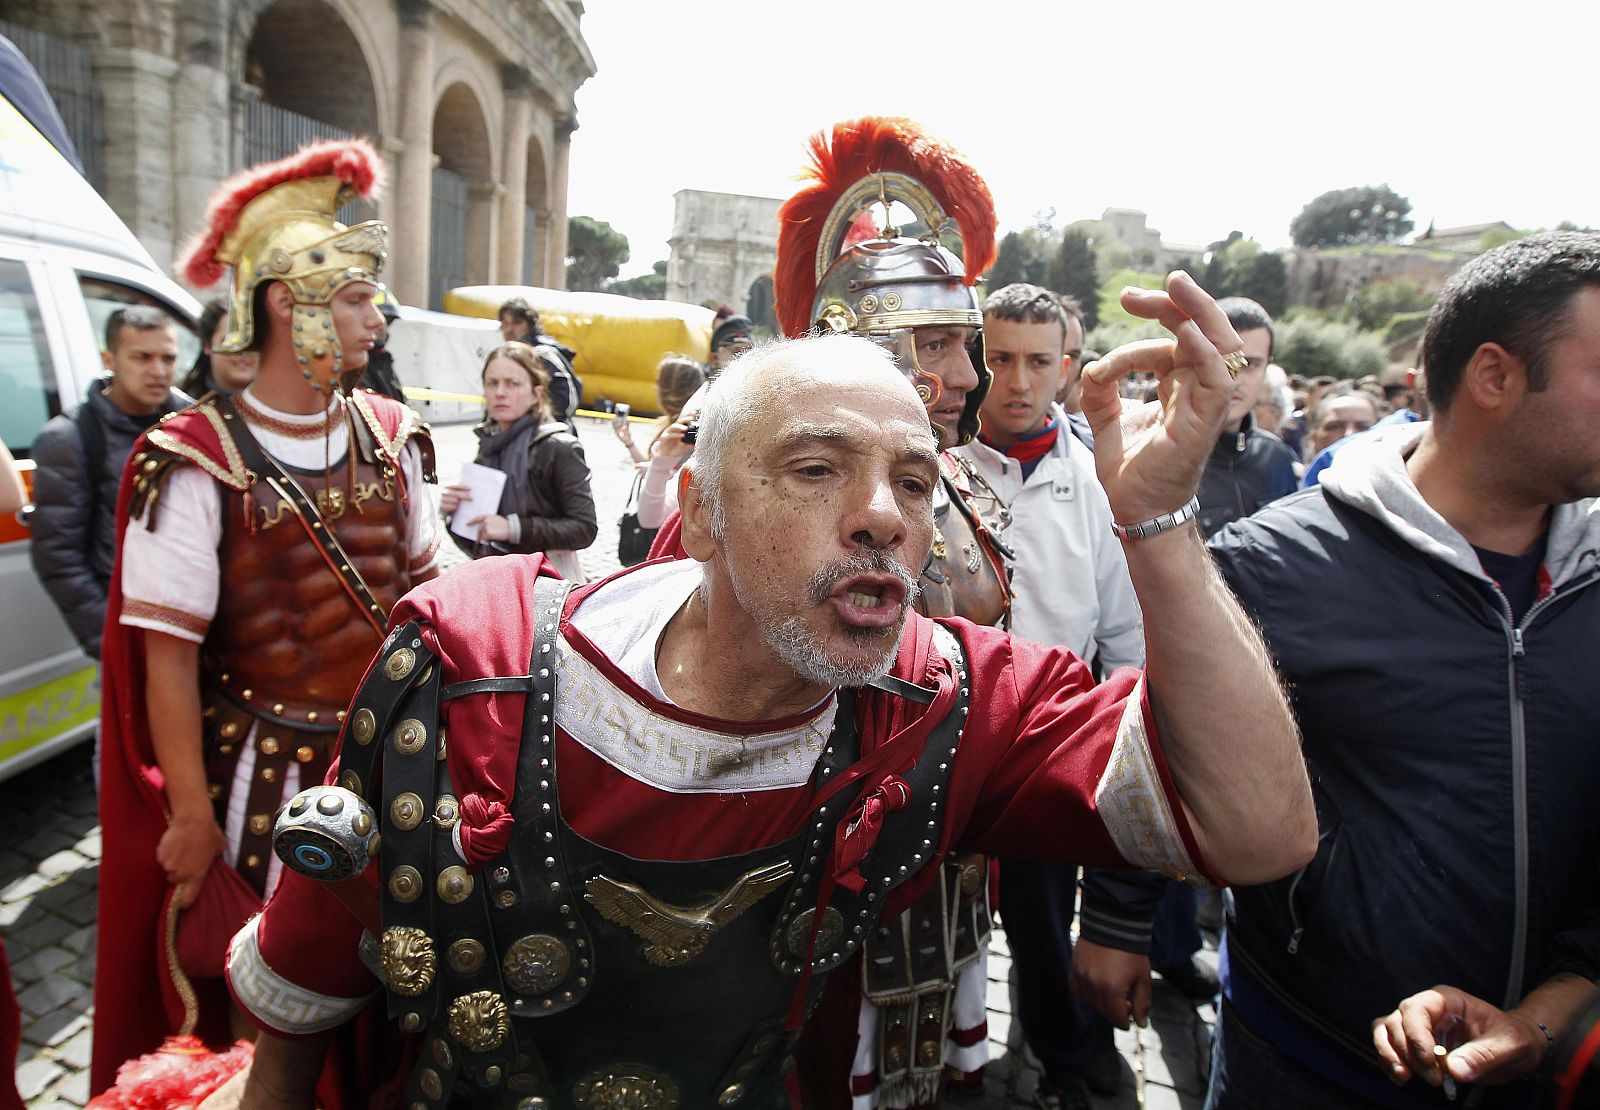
{"x":264,"y":540}
{"x":837,"y":272}
{"x":607,"y":847}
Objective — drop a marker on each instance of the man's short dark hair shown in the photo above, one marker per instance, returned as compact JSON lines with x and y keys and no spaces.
{"x":1032,"y":304}
{"x":1246,"y":315}
{"x":139,"y":317}
{"x":1517,"y":295}
{"x":520,"y":310}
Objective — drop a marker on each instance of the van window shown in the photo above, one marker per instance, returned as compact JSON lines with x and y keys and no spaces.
{"x":102,"y":297}
{"x":28,"y":395}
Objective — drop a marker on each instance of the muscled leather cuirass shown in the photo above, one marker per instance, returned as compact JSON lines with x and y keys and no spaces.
{"x":569,"y":973}
{"x":286,"y":629}
{"x":964,"y":575}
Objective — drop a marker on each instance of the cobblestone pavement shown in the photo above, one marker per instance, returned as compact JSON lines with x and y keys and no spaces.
{"x":50,"y":858}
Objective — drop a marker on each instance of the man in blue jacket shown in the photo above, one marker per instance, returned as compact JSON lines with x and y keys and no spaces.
{"x":1433,"y":609}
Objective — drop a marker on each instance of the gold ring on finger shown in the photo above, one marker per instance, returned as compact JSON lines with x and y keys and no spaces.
{"x":1235,"y":362}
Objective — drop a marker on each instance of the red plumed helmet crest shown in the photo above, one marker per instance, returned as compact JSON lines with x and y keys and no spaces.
{"x":858,"y":149}
{"x":353,"y":161}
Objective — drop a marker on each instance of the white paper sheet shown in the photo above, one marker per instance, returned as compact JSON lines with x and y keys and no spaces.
{"x":484,"y":485}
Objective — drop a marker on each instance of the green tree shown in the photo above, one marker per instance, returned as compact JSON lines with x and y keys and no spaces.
{"x":645,"y":287}
{"x":1351,"y":217}
{"x":595,"y":253}
{"x":1373,"y":305}
{"x":1238,"y":267}
{"x":1072,"y":271}
{"x":1499,"y":236}
{"x":1111,"y":310}
{"x":1312,"y":346}
{"x":1010,"y":262}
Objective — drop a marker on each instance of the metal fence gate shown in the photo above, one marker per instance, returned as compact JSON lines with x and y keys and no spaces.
{"x":447,"y":236}
{"x":68,"y":73}
{"x":271,"y":133}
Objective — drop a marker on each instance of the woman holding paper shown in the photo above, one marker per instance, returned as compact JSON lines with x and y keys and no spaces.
{"x":545,"y":503}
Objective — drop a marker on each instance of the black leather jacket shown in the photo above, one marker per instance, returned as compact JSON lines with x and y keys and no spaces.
{"x":74,"y":531}
{"x":550,"y":497}
{"x":1246,"y":470}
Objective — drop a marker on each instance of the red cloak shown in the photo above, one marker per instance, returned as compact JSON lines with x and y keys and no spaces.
{"x":132,"y":986}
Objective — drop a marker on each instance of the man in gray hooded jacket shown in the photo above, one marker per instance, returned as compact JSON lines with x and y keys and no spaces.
{"x":1433,"y":608}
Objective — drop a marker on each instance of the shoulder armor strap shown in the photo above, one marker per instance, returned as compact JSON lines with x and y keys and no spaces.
{"x":152,"y":466}
{"x":391,"y":425}
{"x":184,"y":433}
{"x":403,"y":662}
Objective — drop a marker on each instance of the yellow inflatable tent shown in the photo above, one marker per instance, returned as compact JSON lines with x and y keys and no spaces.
{"x":620,"y":341}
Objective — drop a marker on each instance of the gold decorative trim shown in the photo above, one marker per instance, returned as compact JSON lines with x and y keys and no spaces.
{"x":262,"y":419}
{"x":479,"y":1021}
{"x":637,"y":1086}
{"x":408,"y":960}
{"x":409,"y":421}
{"x":235,"y":477}
{"x":134,"y":609}
{"x":672,"y":934}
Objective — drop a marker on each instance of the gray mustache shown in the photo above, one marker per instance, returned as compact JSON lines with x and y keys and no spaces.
{"x":868,"y":560}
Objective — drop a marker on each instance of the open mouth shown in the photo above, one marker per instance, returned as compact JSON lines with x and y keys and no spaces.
{"x":870,"y":600}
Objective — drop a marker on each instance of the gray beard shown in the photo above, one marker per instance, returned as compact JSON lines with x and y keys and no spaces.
{"x":793,"y":643}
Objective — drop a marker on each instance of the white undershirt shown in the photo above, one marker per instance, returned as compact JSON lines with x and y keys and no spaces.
{"x":171,"y":577}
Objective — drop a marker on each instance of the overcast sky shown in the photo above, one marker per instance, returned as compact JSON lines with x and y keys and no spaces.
{"x":1210,"y":117}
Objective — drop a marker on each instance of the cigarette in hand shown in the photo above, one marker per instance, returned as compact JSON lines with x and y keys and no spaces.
{"x":1440,"y":1054}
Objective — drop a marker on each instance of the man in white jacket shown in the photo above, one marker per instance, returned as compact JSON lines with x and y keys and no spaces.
{"x":1071,"y":587}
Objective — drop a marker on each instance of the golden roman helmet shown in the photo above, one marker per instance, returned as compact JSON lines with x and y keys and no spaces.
{"x":837,"y":271}
{"x":276,"y":222}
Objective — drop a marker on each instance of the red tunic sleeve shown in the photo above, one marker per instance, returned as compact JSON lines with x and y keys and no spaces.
{"x":296,"y":969}
{"x":1053,"y":766}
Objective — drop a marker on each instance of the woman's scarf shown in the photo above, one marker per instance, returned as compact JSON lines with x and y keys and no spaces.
{"x":509,"y":451}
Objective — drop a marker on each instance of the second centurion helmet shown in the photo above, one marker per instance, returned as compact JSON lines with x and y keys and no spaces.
{"x":837,"y":272}
{"x":276,"y":222}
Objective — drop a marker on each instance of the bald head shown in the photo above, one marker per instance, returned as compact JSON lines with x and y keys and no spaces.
{"x":809,"y":500}
{"x":770,"y":380}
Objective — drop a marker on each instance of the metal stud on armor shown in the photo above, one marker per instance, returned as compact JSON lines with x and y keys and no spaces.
{"x":525,"y":982}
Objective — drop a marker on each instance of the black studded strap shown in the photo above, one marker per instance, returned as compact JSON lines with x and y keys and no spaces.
{"x":529,"y":881}
{"x":473,"y":1030}
{"x":409,"y":884}
{"x":403,"y":661}
{"x":521,"y":685}
{"x":908,"y":841}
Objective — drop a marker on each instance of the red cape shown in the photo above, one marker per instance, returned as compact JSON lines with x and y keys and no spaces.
{"x":132,"y":987}
{"x":668,"y":543}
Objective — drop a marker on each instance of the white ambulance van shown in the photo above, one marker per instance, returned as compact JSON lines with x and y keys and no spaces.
{"x":66,"y":263}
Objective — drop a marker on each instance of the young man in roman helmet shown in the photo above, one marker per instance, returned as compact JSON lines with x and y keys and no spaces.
{"x":838,"y":271}
{"x":264,"y":538}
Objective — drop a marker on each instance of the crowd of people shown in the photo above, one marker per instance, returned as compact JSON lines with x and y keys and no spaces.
{"x":946,"y":616}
